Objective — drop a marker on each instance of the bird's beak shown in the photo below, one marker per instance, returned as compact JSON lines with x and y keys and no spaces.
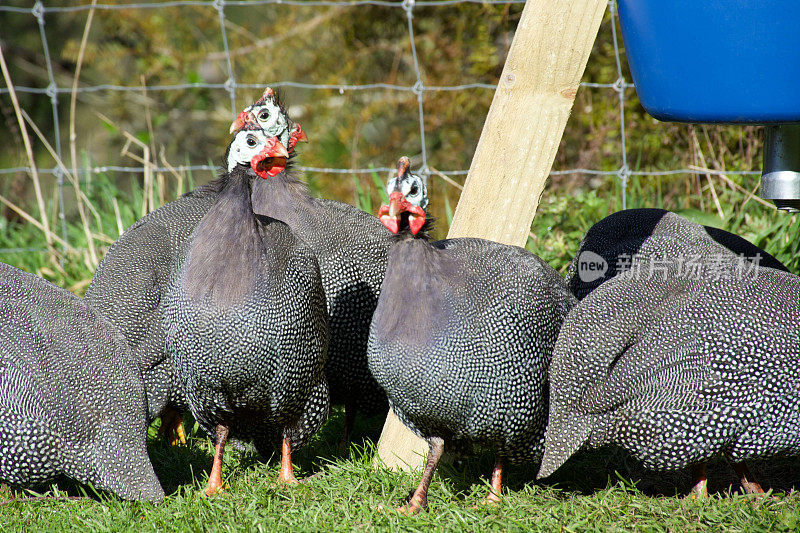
{"x":389,"y":215}
{"x":396,"y":201}
{"x":270,"y":161}
{"x":237,"y":124}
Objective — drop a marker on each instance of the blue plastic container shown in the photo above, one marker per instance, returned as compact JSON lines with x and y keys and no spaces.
{"x":715,"y":60}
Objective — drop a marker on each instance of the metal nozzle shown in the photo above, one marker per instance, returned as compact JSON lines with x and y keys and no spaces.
{"x":780,"y":177}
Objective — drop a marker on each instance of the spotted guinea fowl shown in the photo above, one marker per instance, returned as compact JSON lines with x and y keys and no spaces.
{"x":351,"y":247}
{"x":609,"y":245}
{"x":679,"y":365}
{"x":129,"y":285}
{"x":245,"y":318}
{"x":462,"y":337}
{"x":71,"y":398}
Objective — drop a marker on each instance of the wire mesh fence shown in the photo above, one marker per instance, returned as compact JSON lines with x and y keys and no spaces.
{"x":232,"y":87}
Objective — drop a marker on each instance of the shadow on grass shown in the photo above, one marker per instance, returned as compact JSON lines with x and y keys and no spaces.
{"x":589,"y":472}
{"x":325,"y":445}
{"x":585,"y":473}
{"x":189,"y":466}
{"x":62,"y":489}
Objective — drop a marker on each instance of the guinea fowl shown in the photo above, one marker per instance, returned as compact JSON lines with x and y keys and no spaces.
{"x":245,"y":318}
{"x":678,"y":365}
{"x":462,"y":337}
{"x":129,"y":284}
{"x":71,"y":398}
{"x":610,"y":244}
{"x":351,"y":247}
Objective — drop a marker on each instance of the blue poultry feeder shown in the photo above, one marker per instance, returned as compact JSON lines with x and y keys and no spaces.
{"x":723,"y":61}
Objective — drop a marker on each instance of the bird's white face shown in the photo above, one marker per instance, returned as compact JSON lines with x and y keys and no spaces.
{"x":266,"y":113}
{"x":412,"y":187}
{"x":265,"y":154}
{"x":271,"y":119}
{"x":407,"y":194}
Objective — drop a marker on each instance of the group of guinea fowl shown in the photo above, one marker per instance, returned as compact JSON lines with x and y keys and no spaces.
{"x":255,"y":306}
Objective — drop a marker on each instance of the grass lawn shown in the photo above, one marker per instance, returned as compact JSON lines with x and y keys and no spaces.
{"x":598,"y":491}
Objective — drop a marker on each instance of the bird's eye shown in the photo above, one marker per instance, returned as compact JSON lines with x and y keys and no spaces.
{"x":264,"y":115}
{"x":251,"y":141}
{"x":414,"y":190}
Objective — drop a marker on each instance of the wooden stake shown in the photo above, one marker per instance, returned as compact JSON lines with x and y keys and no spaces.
{"x":516,"y":149}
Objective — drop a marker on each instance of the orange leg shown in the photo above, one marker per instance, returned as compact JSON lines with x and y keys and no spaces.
{"x":215,"y":478}
{"x":172,"y":427}
{"x":419,"y":500}
{"x":749,"y":483}
{"x":287,"y":472}
{"x":494,"y":493}
{"x":700,"y":488}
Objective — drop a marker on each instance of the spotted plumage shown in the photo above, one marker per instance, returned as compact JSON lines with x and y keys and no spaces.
{"x":72,"y":401}
{"x":245,"y":318}
{"x":351,"y":247}
{"x":129,"y":285}
{"x":619,"y":236}
{"x":678,"y":365}
{"x":462,"y":336}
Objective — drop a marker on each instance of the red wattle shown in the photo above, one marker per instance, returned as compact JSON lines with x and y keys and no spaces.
{"x":415,"y":222}
{"x":391,"y":223}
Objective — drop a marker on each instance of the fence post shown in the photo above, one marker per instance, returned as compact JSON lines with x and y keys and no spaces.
{"x":516,"y":149}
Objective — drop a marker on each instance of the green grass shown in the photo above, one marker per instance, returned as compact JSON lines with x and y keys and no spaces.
{"x":346,"y":493}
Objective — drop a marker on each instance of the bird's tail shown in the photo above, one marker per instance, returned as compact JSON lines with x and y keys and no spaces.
{"x":566,"y":433}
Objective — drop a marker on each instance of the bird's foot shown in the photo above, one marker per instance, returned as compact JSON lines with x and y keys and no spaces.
{"x":176,"y":435}
{"x":287,"y":478}
{"x":699,"y":491}
{"x":490,"y":500}
{"x":759,"y":496}
{"x":172,"y":427}
{"x":215,"y":485}
{"x":496,"y":485}
{"x":414,"y":505}
{"x":753,"y":487}
{"x":347,"y":432}
{"x":213,"y":489}
{"x":749,"y":483}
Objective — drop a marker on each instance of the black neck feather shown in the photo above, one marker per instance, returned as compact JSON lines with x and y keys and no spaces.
{"x":404,"y":231}
{"x":227,"y":245}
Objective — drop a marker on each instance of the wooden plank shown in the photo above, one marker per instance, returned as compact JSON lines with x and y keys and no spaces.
{"x":398,"y":447}
{"x":526,"y":120}
{"x":516,"y":149}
